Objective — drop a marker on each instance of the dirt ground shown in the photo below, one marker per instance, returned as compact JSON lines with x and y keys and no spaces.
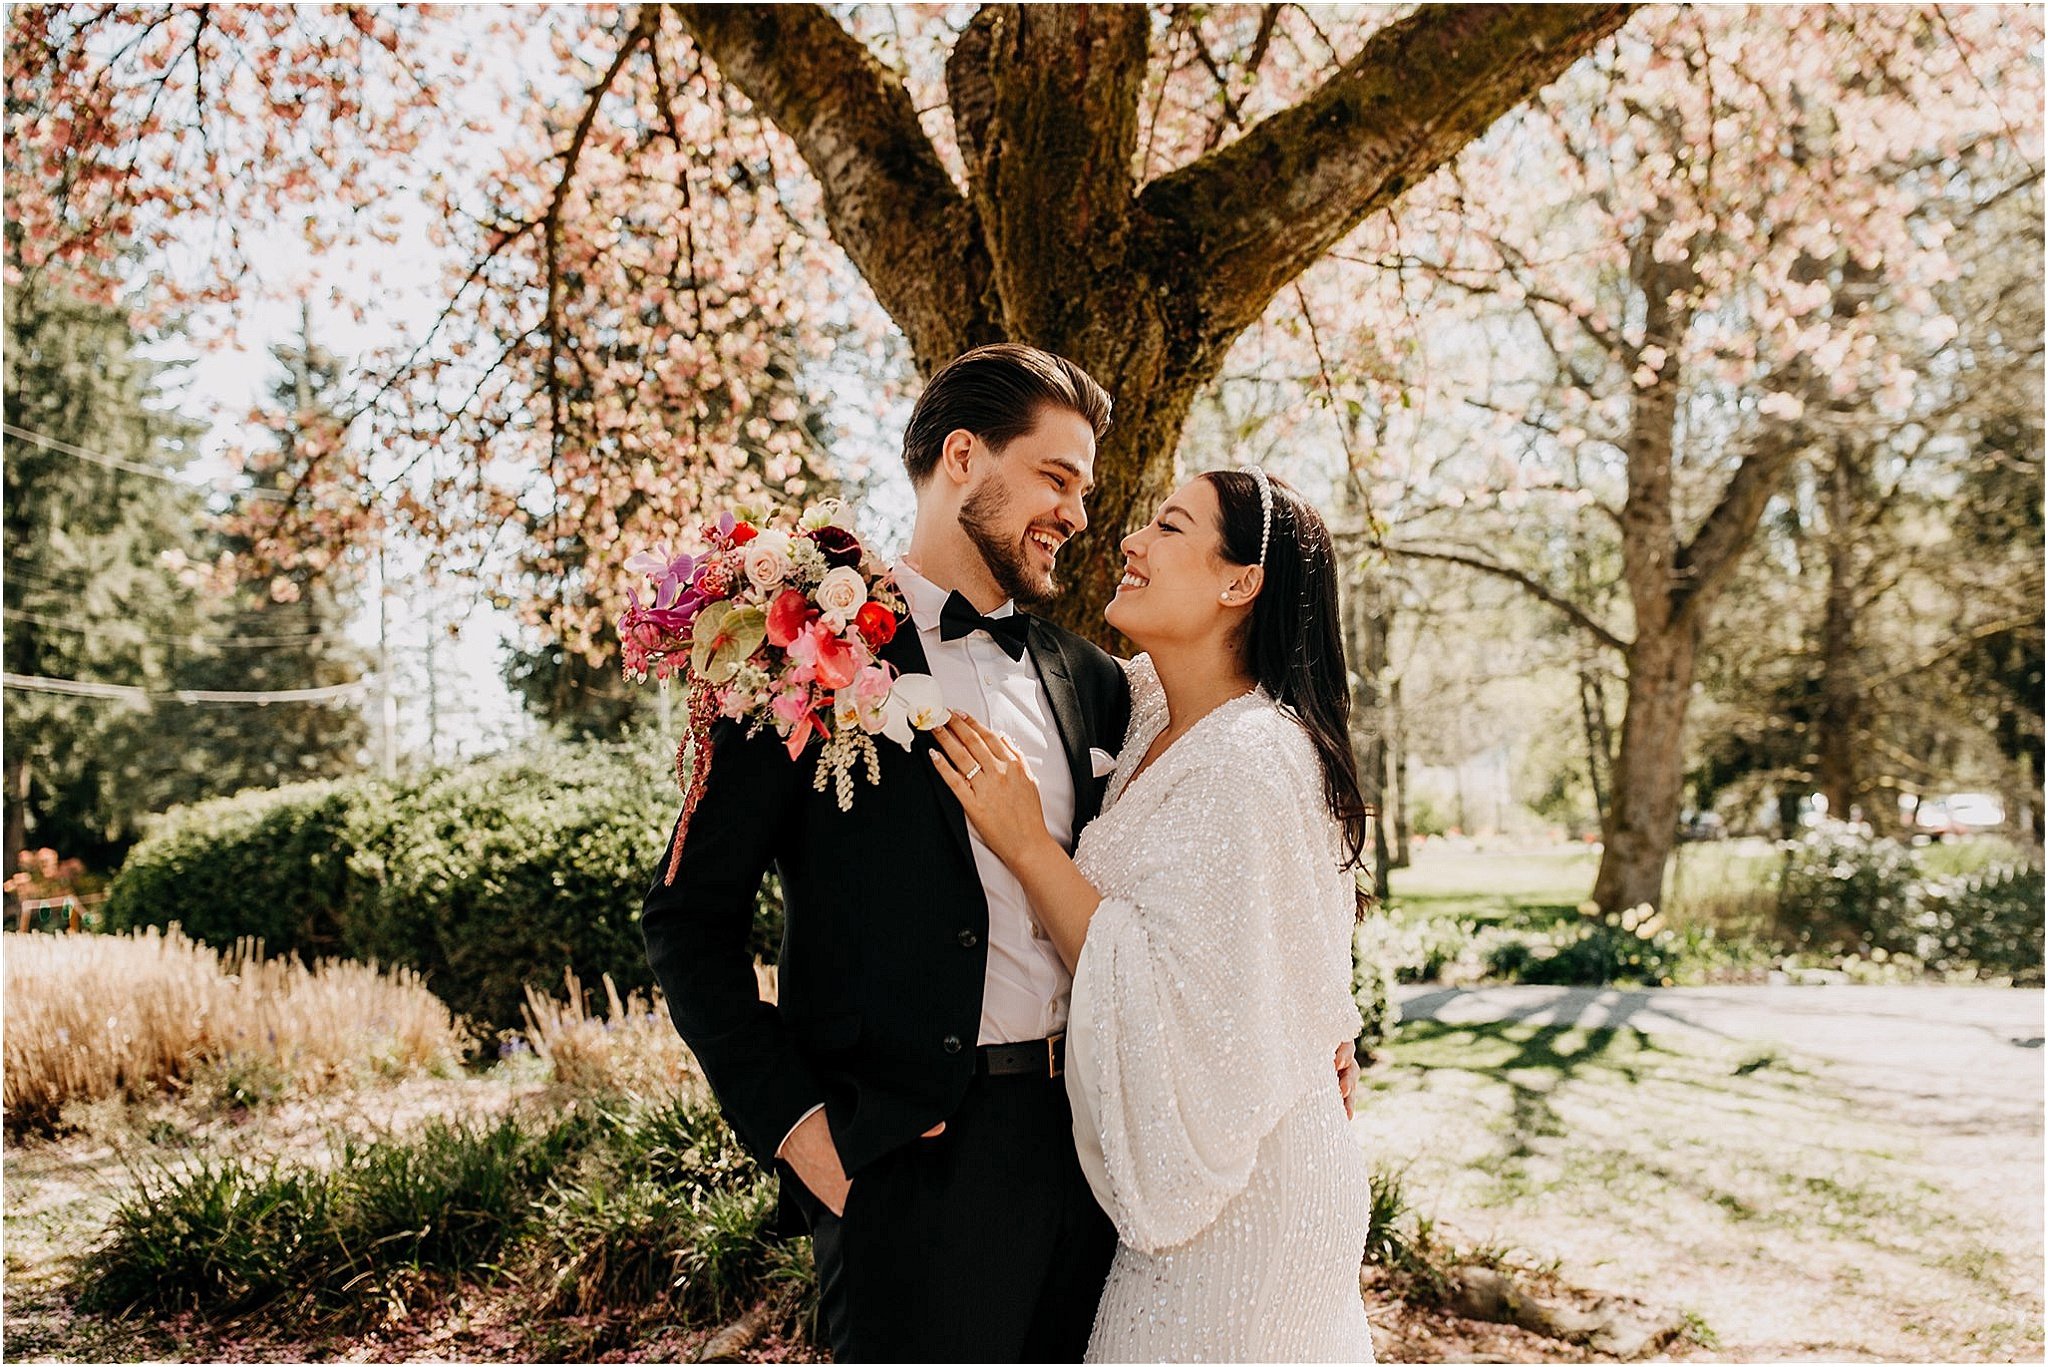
{"x":1839,"y":1173}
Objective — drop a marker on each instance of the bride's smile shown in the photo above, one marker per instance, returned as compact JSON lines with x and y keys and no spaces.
{"x":1178,"y":585}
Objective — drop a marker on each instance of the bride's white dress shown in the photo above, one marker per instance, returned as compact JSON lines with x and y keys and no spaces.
{"x":1208,"y":1003}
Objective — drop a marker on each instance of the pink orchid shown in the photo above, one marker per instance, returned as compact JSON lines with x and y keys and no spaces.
{"x":791,"y":705}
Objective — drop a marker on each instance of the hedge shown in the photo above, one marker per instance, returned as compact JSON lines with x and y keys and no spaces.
{"x":272,"y":863}
{"x":484,"y":877}
{"x":510,"y":870}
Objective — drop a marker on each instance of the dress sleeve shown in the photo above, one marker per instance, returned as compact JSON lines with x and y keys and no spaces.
{"x":1210,"y":999}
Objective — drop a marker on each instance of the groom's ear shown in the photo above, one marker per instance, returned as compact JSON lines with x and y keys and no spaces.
{"x":956,"y":456}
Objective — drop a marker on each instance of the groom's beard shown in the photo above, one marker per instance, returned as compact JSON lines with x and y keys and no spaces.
{"x":1007,"y":560}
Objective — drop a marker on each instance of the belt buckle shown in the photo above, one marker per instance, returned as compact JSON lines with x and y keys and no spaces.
{"x":1052,"y":1065}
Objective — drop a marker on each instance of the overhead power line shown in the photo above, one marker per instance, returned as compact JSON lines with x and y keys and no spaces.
{"x":83,"y":688}
{"x":65,"y":448}
{"x":128,"y":631}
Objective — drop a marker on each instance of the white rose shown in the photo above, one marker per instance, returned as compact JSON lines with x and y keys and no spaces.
{"x":841,"y":591}
{"x":766,"y":559}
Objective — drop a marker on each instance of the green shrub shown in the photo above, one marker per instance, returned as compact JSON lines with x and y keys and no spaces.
{"x":510,"y":870}
{"x":608,"y":1208}
{"x":269,"y":863}
{"x":483,"y":877}
{"x":1372,"y":984}
{"x":670,"y":1211}
{"x":1634,"y":947}
{"x":1845,"y":891}
{"x":224,"y":1236}
{"x":1990,"y":921}
{"x":1414,"y":949}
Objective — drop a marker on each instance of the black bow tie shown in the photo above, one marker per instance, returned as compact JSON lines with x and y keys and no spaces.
{"x":958,"y":618}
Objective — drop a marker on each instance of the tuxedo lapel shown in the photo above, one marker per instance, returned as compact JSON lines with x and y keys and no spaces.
{"x":906,"y":653}
{"x":1044,"y":645}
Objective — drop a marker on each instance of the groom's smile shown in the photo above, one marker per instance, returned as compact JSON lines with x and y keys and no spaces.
{"x":1026,"y":503}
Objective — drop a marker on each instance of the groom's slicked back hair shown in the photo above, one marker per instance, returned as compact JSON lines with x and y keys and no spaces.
{"x":996,"y":392}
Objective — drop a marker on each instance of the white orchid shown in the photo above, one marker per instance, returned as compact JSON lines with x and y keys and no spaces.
{"x":923,"y":705}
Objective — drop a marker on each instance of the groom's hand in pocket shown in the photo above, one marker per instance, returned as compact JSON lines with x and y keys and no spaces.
{"x":810,"y":1151}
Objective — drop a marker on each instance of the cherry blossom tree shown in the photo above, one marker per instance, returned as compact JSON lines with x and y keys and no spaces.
{"x":1127,"y":186}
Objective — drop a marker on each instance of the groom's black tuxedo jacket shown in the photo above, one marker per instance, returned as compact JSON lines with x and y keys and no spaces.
{"x":885,"y":944}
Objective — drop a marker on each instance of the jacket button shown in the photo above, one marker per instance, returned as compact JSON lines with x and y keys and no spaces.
{"x":968,"y":939}
{"x":951,"y":1044}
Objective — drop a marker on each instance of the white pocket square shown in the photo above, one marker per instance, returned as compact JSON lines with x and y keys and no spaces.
{"x":1100,"y":762}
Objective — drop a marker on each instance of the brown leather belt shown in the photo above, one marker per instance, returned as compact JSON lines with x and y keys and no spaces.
{"x":1039,"y":1057}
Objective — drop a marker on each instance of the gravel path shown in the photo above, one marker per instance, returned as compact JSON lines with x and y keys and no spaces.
{"x":1916,"y":1110}
{"x":1962,"y":1066}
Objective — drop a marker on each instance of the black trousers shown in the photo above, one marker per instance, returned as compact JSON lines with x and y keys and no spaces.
{"x":981,"y":1245}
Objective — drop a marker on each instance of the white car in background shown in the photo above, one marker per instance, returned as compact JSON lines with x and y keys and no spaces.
{"x":1959,"y":814}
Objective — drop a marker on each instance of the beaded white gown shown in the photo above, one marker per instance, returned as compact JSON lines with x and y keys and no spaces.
{"x":1209,"y":1000}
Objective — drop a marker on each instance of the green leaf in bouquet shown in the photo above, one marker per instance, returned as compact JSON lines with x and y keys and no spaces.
{"x":723,"y":638}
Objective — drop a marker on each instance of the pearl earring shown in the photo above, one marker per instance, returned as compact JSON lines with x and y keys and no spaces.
{"x":1224,"y":597}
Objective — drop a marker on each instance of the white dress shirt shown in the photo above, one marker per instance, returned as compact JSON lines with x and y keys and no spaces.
{"x":1025,"y":991}
{"x":1024,"y":995}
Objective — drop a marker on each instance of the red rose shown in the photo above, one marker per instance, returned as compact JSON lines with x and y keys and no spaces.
{"x":876,"y":623}
{"x":743,"y":533}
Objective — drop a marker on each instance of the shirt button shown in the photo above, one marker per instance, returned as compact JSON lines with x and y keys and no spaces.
{"x":951,"y":1044}
{"x":968,"y":939}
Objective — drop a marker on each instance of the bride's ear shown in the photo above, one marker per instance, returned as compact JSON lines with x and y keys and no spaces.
{"x":1245,"y":587}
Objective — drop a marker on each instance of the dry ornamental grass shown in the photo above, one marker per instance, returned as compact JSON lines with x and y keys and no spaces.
{"x":631,"y":1049}
{"x":92,"y":1016}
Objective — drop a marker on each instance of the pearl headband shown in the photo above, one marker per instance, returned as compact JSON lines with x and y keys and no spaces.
{"x":1265,"y":510}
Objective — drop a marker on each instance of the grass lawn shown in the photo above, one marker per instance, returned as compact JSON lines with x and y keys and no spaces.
{"x":1724,"y":883}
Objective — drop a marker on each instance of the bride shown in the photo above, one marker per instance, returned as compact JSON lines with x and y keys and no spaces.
{"x":1207,"y":917}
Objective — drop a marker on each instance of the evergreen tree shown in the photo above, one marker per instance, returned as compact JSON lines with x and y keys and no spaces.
{"x":94,"y":521}
{"x":283,"y":630}
{"x":108,"y":582}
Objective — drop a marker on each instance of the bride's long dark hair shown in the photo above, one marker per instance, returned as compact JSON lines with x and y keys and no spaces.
{"x":1294,"y":644}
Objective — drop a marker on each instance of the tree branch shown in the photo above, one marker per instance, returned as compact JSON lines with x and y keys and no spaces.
{"x":1249,"y":217}
{"x":1537,"y":589}
{"x":1045,"y":105}
{"x":888,"y":199}
{"x":1703,"y":565}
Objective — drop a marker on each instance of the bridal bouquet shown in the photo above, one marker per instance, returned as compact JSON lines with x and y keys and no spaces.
{"x":776,"y":625}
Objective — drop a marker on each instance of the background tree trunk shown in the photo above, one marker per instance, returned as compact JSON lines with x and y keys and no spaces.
{"x":1837,"y":717}
{"x":1367,"y":622}
{"x":17,"y":810}
{"x":1649,"y":771}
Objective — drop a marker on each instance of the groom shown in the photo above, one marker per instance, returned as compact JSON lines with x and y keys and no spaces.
{"x":908,"y":1081}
